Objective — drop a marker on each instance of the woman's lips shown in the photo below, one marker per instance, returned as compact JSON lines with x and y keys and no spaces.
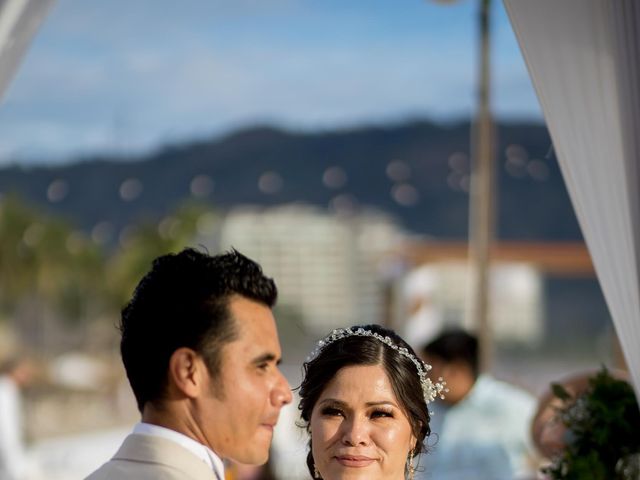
{"x":354,"y":461}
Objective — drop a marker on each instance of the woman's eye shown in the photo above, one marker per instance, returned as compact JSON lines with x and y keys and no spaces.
{"x":331,"y":412}
{"x":381,"y":414}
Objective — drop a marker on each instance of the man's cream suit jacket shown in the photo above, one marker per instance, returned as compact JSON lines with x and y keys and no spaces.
{"x":146,"y":457}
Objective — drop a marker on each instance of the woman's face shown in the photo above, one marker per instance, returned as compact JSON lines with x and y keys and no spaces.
{"x":358,"y":429}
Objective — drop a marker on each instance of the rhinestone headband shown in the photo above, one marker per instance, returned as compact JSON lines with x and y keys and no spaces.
{"x":430,"y":390}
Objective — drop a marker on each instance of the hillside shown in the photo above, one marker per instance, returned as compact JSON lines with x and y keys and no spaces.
{"x":428,"y":177}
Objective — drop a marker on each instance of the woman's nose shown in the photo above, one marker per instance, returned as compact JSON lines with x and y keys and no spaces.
{"x":355,"y":432}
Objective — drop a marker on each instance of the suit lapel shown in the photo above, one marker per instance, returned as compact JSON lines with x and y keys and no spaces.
{"x":151,"y":449}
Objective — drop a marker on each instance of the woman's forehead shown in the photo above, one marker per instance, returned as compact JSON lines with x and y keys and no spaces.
{"x":360,"y":383}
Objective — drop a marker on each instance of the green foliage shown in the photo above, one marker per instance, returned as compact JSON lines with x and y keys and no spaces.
{"x":604,"y":428}
{"x":43,"y":257}
{"x":17,"y":262}
{"x":45,"y":262}
{"x":147,"y":241}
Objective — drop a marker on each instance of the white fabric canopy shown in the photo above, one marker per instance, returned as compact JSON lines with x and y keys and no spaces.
{"x":19,"y":21}
{"x":584,"y":59}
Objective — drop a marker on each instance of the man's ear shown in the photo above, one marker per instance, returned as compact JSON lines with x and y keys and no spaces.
{"x":186,"y":370}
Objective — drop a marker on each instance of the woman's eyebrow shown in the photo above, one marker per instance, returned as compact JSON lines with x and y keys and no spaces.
{"x":333,"y":401}
{"x":381,"y":402}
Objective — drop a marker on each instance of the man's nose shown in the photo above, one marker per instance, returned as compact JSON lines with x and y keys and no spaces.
{"x":282,"y":392}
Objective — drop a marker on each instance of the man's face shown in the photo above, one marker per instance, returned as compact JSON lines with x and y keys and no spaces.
{"x":457,"y":374}
{"x":240,"y":411}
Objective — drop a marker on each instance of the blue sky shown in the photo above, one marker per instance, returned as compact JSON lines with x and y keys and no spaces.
{"x":129,"y":76}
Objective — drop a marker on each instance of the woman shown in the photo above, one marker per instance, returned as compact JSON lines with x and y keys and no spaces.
{"x":364,"y":401}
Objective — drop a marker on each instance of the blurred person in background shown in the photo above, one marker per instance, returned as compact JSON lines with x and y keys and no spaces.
{"x":549,"y":434}
{"x":16,"y":373}
{"x":201,"y":351}
{"x":482,"y":426}
{"x":424,"y":318}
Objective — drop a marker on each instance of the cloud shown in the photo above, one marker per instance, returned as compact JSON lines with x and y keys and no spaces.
{"x":138,"y":73}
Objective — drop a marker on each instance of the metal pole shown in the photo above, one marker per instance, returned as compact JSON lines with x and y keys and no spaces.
{"x":481,"y":206}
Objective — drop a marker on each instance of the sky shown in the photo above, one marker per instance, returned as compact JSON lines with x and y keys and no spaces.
{"x":128,"y":77}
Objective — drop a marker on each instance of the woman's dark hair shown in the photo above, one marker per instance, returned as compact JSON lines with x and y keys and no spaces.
{"x":365,"y":350}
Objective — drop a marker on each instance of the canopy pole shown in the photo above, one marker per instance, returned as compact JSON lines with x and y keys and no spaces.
{"x":481,"y":199}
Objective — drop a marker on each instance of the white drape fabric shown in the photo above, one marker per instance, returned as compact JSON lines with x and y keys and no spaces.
{"x":13,"y":457}
{"x":19,"y":22}
{"x":584,"y":59}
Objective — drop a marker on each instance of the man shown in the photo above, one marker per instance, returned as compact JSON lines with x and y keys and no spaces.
{"x":201,"y":351}
{"x":482,"y":427}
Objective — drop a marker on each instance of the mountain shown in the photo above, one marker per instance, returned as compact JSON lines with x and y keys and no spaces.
{"x":417,"y":171}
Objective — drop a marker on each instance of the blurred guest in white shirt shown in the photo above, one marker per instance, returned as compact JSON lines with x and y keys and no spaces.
{"x":482,"y":426}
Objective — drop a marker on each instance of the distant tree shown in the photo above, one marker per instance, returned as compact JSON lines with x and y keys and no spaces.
{"x":143,"y":242}
{"x":54,"y":277}
{"x":19,"y":225}
{"x":50,"y":275}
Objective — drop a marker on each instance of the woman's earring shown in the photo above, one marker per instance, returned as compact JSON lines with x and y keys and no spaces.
{"x":316,"y":473}
{"x":412,"y":469}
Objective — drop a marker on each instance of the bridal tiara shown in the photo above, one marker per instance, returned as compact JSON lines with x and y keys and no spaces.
{"x":430,"y":390}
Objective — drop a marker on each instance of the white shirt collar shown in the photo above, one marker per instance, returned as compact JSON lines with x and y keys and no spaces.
{"x":201,"y":451}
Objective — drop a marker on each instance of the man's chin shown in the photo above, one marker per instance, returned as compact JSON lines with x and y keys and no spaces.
{"x":252,"y":458}
{"x":256,"y":453}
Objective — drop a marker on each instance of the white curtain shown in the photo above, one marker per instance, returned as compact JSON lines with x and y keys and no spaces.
{"x":19,"y":21}
{"x":584,"y":59}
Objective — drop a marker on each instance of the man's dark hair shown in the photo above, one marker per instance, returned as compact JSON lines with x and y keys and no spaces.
{"x":364,"y":350}
{"x":455,"y":346}
{"x":183,"y":302}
